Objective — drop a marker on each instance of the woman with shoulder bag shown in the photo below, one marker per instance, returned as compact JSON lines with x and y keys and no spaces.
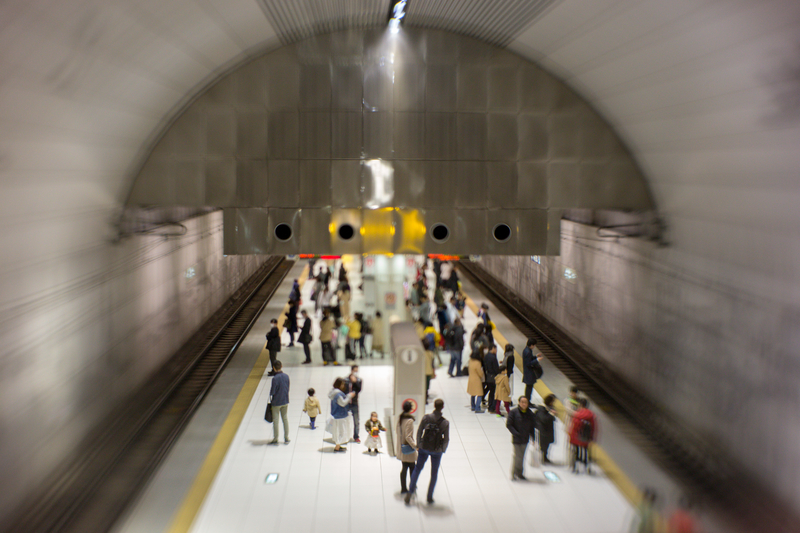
{"x":406,"y":448}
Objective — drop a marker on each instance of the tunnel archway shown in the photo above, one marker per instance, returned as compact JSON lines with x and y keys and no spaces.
{"x":460,"y":132}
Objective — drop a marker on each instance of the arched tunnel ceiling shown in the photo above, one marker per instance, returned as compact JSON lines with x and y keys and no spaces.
{"x":702,"y":91}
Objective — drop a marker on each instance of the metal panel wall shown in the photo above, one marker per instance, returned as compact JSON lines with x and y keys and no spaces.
{"x":421,"y":120}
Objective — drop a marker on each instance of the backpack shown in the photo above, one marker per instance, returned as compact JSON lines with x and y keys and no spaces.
{"x":585,"y":431}
{"x":432,"y":436}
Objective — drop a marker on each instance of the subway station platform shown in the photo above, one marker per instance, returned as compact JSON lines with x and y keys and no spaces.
{"x":215,"y":478}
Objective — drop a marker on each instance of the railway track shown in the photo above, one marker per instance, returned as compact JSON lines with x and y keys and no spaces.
{"x":91,"y":491}
{"x":703,"y":472}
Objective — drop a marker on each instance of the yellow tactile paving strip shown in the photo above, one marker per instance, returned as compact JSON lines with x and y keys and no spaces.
{"x":185,"y":516}
{"x":599,"y":456}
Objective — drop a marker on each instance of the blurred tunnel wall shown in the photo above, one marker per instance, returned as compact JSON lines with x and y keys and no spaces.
{"x":720,"y":356}
{"x":82,"y":329}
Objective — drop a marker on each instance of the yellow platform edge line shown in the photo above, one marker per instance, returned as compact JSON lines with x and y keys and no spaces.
{"x":196,"y":495}
{"x":613,"y":472}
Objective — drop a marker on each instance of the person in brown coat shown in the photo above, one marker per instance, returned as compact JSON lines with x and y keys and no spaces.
{"x":475,"y":383}
{"x":503,"y":391}
{"x":405,"y":447}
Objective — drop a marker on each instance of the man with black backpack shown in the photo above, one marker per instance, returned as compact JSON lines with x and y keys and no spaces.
{"x":433,"y":436}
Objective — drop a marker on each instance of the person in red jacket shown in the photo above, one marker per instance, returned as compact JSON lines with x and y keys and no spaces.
{"x":581,"y":434}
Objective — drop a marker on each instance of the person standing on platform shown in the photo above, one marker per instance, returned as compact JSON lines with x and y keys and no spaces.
{"x":531,"y":369}
{"x":326,"y":326}
{"x":454,"y":344}
{"x":377,"y":335}
{"x":508,"y":360}
{"x":475,"y":383}
{"x":353,"y":337}
{"x":343,"y":294}
{"x":490,"y":369}
{"x":354,"y":383}
{"x":581,"y":435}
{"x":522,"y":425}
{"x":374,"y":428}
{"x":405,"y":447}
{"x":291,"y":321}
{"x":502,"y":391}
{"x":273,"y":344}
{"x":305,"y":337}
{"x":430,"y":373}
{"x":339,"y":419}
{"x":294,"y":294}
{"x":545,"y":426}
{"x":279,"y":397}
{"x":433,"y":436}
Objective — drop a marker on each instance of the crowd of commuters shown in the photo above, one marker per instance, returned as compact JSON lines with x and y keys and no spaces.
{"x":438,"y":314}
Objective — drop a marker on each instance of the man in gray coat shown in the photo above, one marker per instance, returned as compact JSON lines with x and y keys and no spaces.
{"x":279,"y":396}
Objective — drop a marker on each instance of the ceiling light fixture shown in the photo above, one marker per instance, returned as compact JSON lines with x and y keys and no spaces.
{"x":397,"y":12}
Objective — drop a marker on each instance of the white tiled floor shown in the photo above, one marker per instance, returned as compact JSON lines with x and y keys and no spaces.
{"x":321,"y":491}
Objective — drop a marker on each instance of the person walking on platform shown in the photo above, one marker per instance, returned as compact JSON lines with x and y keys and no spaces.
{"x":545,"y":426}
{"x":406,"y":447}
{"x":581,"y":435}
{"x":305,"y":337}
{"x":343,"y":294}
{"x":377,"y":335}
{"x":454,"y":344}
{"x":291,"y":321}
{"x":279,"y":397}
{"x":430,"y":373}
{"x":339,"y":419}
{"x":326,"y":326}
{"x":475,"y":383}
{"x":355,"y":384}
{"x":433,"y":436}
{"x":312,"y":408}
{"x":522,"y":425}
{"x":273,"y":344}
{"x":490,"y":369}
{"x":531,"y":369}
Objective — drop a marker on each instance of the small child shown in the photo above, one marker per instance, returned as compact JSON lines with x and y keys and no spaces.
{"x":311,"y":407}
{"x":374,"y":428}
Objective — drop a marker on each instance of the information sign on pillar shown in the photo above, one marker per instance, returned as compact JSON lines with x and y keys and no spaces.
{"x":409,"y":368}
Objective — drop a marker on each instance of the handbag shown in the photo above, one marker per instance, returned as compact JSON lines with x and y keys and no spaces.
{"x":268,"y":414}
{"x":406,"y":449}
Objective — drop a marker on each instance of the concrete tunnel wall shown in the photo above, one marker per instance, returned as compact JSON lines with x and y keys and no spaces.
{"x":102,"y":321}
{"x":718,"y":356}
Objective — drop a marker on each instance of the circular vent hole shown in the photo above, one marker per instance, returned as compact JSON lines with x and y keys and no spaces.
{"x":440,"y":233}
{"x":346,"y":232}
{"x":283,"y":232}
{"x":502,"y":232}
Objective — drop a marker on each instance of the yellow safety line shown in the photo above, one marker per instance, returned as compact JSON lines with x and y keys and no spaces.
{"x":186,"y":514}
{"x":599,"y":456}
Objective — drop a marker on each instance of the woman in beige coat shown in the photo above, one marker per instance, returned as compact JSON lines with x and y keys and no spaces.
{"x":502,"y":391}
{"x":405,"y":436}
{"x":475,"y":383}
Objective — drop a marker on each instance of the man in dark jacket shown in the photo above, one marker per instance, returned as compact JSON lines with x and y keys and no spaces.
{"x":279,"y":397}
{"x":531,"y":369}
{"x":305,"y":336}
{"x":355,"y":384}
{"x":454,"y":343}
{"x":508,"y":360}
{"x":545,"y":420}
{"x":273,"y":344}
{"x":490,"y":369}
{"x":522,"y":425}
{"x":433,"y":436}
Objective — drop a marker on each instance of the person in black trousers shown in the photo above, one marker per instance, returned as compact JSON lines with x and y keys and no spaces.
{"x":273,"y":344}
{"x":305,"y":336}
{"x":545,"y":420}
{"x":531,"y":369}
{"x":490,"y":369}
